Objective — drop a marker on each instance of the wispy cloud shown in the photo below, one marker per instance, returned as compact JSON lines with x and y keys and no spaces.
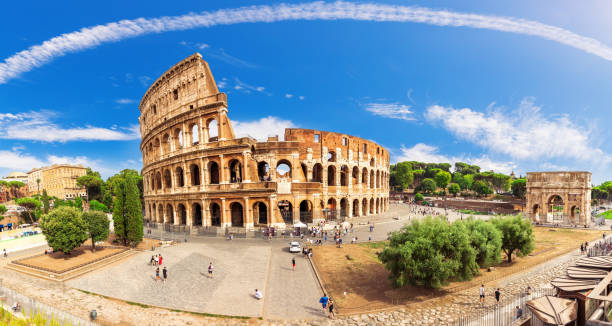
{"x":218,"y":54}
{"x":37,"y":126}
{"x":247,"y":88}
{"x":262,"y":128}
{"x":288,"y":95}
{"x":124,"y":101}
{"x":91,"y":37}
{"x":523,"y":134}
{"x":301,"y":98}
{"x":390,"y":110}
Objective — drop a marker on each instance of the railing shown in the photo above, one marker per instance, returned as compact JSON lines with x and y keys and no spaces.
{"x":504,"y":313}
{"x":601,"y":248}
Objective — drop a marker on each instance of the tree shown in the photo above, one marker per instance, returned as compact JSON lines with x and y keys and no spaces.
{"x":2,"y":211}
{"x":487,"y":240}
{"x":64,"y":228}
{"x":107,"y":200}
{"x":519,"y":188}
{"x":127,"y":213}
{"x":45,"y":201}
{"x":429,"y":253}
{"x":428,"y":185}
{"x":401,"y":176}
{"x":442,"y":179}
{"x":454,"y":189}
{"x":517,"y":235}
{"x":92,"y":183}
{"x":14,"y":187}
{"x":481,"y":188}
{"x":97,"y":226}
{"x":95,"y":205}
{"x":30,"y":204}
{"x":78,"y":203}
{"x":38,"y":185}
{"x":418,"y":197}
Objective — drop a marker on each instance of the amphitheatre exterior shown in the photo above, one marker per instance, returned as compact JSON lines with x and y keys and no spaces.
{"x":198,"y":174}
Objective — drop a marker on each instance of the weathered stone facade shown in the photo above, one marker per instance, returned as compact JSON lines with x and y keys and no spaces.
{"x":559,"y":197}
{"x":197,"y":173}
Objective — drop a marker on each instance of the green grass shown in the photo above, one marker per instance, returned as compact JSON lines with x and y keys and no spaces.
{"x":141,"y":305}
{"x":374,"y":245}
{"x":471,"y":212}
{"x":606,"y":214}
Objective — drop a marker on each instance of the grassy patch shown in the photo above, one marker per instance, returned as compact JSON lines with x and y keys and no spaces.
{"x":141,"y":305}
{"x":606,"y":214}
{"x":471,"y":212}
{"x":205,"y":314}
{"x":374,"y":245}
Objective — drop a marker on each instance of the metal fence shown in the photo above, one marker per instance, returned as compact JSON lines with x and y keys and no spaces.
{"x":603,"y":247}
{"x":504,"y":313}
{"x":31,"y":306}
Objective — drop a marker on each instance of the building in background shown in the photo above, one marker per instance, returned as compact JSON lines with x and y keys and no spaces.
{"x":16,"y":176}
{"x":60,"y":180}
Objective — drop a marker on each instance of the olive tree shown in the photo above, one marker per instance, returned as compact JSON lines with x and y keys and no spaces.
{"x":517,"y":235}
{"x":64,"y":228}
{"x":97,"y":226}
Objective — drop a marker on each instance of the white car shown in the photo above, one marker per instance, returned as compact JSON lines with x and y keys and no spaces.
{"x":294,"y":246}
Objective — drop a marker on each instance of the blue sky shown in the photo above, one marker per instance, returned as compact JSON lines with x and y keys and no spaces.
{"x":504,"y":90}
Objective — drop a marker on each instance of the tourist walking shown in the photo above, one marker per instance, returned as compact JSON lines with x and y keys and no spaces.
{"x":482,"y":294}
{"x":165,"y":273}
{"x":157,"y":274}
{"x":331,"y":308}
{"x":152,"y":262}
{"x":210,"y":270}
{"x":293,"y":262}
{"x":497,"y":295}
{"x":323,"y":301}
{"x":519,"y":313}
{"x":4,"y":253}
{"x":160,"y":259}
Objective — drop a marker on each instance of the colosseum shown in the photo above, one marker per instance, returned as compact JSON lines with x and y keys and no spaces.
{"x":198,"y":174}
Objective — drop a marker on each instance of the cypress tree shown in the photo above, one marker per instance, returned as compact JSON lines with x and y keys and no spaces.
{"x":127,"y":214}
{"x":45,"y":201}
{"x":119,"y":209}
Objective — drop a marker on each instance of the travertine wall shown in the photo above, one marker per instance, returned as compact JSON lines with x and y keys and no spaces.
{"x":574,"y":189}
{"x":197,"y":173}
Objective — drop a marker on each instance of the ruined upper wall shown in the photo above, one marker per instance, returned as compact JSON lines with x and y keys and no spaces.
{"x":187,"y":85}
{"x":344,"y":146}
{"x":562,"y":179}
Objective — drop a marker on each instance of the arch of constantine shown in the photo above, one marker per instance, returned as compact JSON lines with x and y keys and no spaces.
{"x":197,"y":173}
{"x":559,"y":197}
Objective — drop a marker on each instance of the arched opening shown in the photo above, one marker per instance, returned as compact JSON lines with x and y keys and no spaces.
{"x":372,"y":162}
{"x":306,"y":211}
{"x":213,"y":130}
{"x":195,"y":174}
{"x":372,"y":179}
{"x":372,"y":206}
{"x":331,"y":157}
{"x":153,"y":213}
{"x":166,"y":143}
{"x":331,"y":175}
{"x":378,"y":179}
{"x":344,"y":176}
{"x":305,"y":171}
{"x":260,"y":213}
{"x":355,"y":207}
{"x":235,"y":171}
{"x":237,"y":217}
{"x":364,"y":207}
{"x":355,"y":175}
{"x":196,"y":217}
{"x":178,"y":138}
{"x":160,"y":214}
{"x":195,"y":134}
{"x":317,"y":173}
{"x":167,"y":179}
{"x":536,"y":210}
{"x":331,"y":209}
{"x":377,"y":205}
{"x":283,"y":169}
{"x":182,"y":214}
{"x":556,"y":207}
{"x":343,"y":207}
{"x":169,"y":214}
{"x":215,"y":214}
{"x":180,"y":177}
{"x":286,"y":210}
{"x":158,"y":180}
{"x":263,"y":171}
{"x":213,"y":170}
{"x":364,"y":177}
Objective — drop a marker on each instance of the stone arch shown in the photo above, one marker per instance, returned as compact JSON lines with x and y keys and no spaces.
{"x":213,"y":171}
{"x":160,"y":213}
{"x":331,"y":156}
{"x":344,"y":176}
{"x":283,"y":169}
{"x":304,"y":171}
{"x":194,"y":169}
{"x":213,"y":130}
{"x":263,"y":171}
{"x":364,"y":207}
{"x":215,"y":214}
{"x":372,"y":162}
{"x":169,"y":214}
{"x":364,"y":177}
{"x":178,"y":138}
{"x":195,"y":133}
{"x":332,"y":208}
{"x":196,"y":214}
{"x":235,"y":168}
{"x":355,"y":175}
{"x":377,"y":179}
{"x":180,"y":176}
{"x":372,"y":206}
{"x":377,"y":205}
{"x":158,"y":180}
{"x":305,"y":211}
{"x":237,"y":214}
{"x":260,"y":213}
{"x":181,"y":214}
{"x":286,"y":210}
{"x":317,"y":172}
{"x":356,"y":208}
{"x":556,"y":207}
{"x":167,"y":179}
{"x":343,"y":207}
{"x":166,"y":143}
{"x":331,"y":175}
{"x":372,"y":179}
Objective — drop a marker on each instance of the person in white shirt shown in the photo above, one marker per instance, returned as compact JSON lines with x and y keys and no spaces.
{"x":258,"y":294}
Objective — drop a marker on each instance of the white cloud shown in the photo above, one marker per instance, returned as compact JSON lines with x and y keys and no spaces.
{"x":430,"y":154}
{"x":524,"y":134}
{"x":246,"y":88}
{"x":262,"y":128}
{"x":15,"y":160}
{"x":390,"y":110}
{"x":203,"y":46}
{"x":37,"y":126}
{"x":409,"y":95}
{"x":90,"y":37}
{"x":288,"y":95}
{"x":301,"y":98}
{"x":124,"y":101}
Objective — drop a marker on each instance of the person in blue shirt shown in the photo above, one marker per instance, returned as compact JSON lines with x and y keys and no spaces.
{"x":323,"y":301}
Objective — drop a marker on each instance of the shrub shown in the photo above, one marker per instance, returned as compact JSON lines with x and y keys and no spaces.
{"x":64,"y":229}
{"x":418,"y":197}
{"x":487,"y":240}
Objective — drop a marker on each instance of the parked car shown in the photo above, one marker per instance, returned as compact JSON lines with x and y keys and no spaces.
{"x":294,"y":247}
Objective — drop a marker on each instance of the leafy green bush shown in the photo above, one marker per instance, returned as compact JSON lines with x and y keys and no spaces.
{"x":487,"y":240}
{"x":418,"y":197}
{"x":64,"y":229}
{"x":517,"y":235}
{"x":95,"y":205}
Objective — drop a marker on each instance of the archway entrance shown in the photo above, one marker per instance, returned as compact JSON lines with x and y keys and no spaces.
{"x":263,"y":171}
{"x":197,"y":214}
{"x":306,"y":211}
{"x":364,"y":207}
{"x":213,"y":169}
{"x":260,"y":213}
{"x":215,"y":214}
{"x":343,"y":207}
{"x":371,"y":205}
{"x":235,"y":171}
{"x":355,"y":207}
{"x":556,"y":208}
{"x":574,"y":213}
{"x":286,"y":210}
{"x":237,"y":217}
{"x":332,"y":214}
{"x":169,"y":214}
{"x":182,"y":214}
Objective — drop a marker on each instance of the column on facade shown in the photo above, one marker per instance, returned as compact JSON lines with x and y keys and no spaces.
{"x":203,"y":173}
{"x":222,"y":169}
{"x":200,"y":131}
{"x":205,"y":213}
{"x":224,"y":221}
{"x":245,"y":167}
{"x":271,"y":210}
{"x":349,"y":207}
{"x":189,"y":219}
{"x":220,"y":130}
{"x":177,"y":218}
{"x":272,"y":170}
{"x":296,"y":209}
{"x":309,"y":168}
{"x":248,"y":214}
